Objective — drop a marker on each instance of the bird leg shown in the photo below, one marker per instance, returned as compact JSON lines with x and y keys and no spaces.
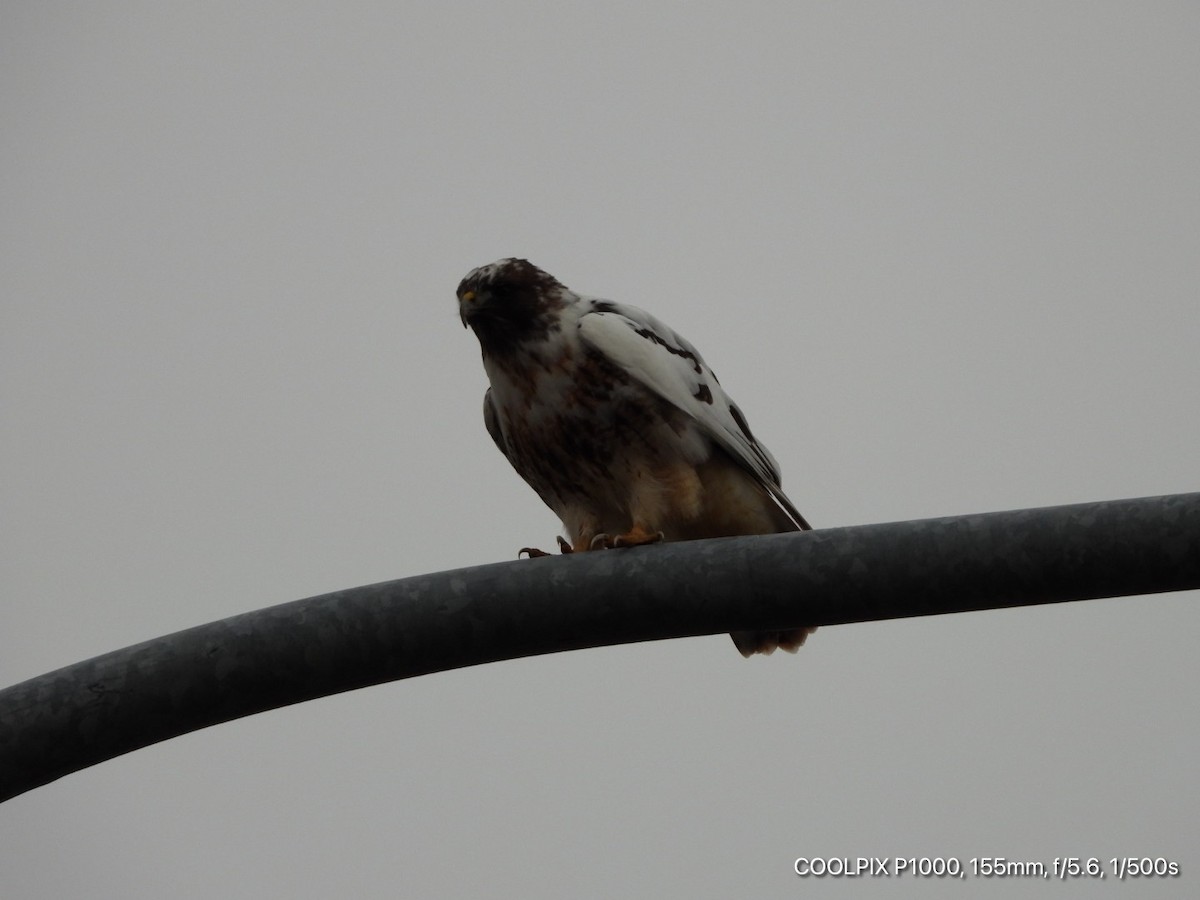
{"x":636,"y":536}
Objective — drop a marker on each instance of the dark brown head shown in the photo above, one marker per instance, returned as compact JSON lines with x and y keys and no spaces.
{"x":509,"y":303}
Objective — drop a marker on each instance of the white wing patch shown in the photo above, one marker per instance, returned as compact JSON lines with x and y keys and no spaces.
{"x":654,"y":355}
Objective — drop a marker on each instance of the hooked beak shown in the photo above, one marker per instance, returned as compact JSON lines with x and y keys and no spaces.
{"x":466,"y":306}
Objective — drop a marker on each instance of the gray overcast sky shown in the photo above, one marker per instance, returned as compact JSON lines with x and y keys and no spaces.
{"x":944,"y":255}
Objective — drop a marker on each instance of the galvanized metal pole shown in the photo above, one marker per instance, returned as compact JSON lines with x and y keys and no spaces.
{"x":92,"y":711}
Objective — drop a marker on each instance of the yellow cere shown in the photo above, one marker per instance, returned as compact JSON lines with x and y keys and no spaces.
{"x":468,"y":296}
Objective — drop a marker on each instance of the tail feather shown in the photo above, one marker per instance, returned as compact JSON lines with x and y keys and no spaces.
{"x":767,"y":642}
{"x":791,"y":640}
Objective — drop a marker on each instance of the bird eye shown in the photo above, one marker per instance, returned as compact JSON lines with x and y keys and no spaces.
{"x":468,"y":296}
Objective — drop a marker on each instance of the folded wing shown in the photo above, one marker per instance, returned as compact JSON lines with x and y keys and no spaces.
{"x":654,"y":355}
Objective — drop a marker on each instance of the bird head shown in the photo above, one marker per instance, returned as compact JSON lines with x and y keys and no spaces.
{"x":508,"y":302}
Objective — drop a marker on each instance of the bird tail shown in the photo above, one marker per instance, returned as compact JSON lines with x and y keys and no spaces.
{"x":791,"y":640}
{"x":767,"y":642}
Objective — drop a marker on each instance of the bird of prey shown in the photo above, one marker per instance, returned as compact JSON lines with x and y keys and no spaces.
{"x":617,"y":423}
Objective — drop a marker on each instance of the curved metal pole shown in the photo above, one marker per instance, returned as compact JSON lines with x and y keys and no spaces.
{"x":92,"y":711}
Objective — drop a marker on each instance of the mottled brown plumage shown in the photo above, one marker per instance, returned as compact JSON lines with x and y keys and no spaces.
{"x":617,"y":422}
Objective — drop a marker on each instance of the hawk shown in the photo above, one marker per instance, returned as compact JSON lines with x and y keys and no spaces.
{"x":617,"y":423}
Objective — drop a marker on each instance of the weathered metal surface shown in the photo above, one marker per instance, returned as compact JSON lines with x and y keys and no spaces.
{"x":83,"y":714}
